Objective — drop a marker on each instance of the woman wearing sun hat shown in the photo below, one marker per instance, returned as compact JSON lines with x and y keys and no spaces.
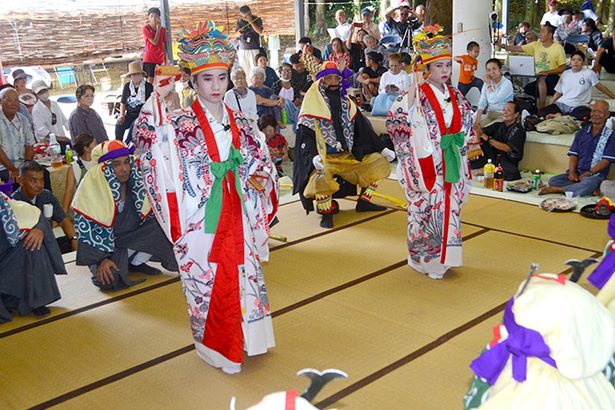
{"x":214,"y":193}
{"x":134,"y":95}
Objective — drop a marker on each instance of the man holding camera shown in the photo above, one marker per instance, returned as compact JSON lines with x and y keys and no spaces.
{"x":405,"y":25}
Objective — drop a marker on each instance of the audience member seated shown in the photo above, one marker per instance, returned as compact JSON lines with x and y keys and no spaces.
{"x":468,"y":64}
{"x":342,"y":30}
{"x":339,"y":54}
{"x":369,"y":77}
{"x":16,"y":138}
{"x":276,"y":143}
{"x":564,"y":30}
{"x":496,"y":92}
{"x":83,"y":147}
{"x":29,"y":260}
{"x":367,"y":13}
{"x":306,"y":41}
{"x":595,"y":36}
{"x":550,"y":61}
{"x":590,"y":156}
{"x":605,"y":57}
{"x":117,"y":231}
{"x":372,"y":45}
{"x":266,"y":100}
{"x":404,"y":25}
{"x":551,"y":16}
{"x":519,"y":39}
{"x":284,"y":88}
{"x":573,"y":92}
{"x":20,"y":81}
{"x":503,"y":143}
{"x":84,"y":119}
{"x":270,"y":75}
{"x":32,"y":191}
{"x":531,"y":37}
{"x":405,"y":60}
{"x":577,"y":20}
{"x":184,"y":88}
{"x":395,"y":80}
{"x":47,"y":116}
{"x":240,"y":97}
{"x":134,"y":95}
{"x":356,"y":47}
{"x":300,"y":79}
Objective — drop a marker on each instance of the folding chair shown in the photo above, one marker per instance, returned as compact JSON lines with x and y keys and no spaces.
{"x":101,"y":69}
{"x":65,"y":75}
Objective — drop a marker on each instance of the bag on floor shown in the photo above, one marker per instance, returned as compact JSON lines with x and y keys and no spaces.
{"x":382,"y":104}
{"x":560,"y":125}
{"x":531,"y":121}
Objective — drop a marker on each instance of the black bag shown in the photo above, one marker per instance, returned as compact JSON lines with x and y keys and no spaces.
{"x":527,"y":103}
{"x":531,"y":121}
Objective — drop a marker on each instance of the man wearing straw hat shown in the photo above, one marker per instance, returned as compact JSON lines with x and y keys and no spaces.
{"x":134,"y":95}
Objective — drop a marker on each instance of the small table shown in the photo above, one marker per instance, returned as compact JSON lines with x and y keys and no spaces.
{"x":58,"y":181}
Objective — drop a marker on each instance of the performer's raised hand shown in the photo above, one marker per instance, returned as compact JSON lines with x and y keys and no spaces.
{"x":317,"y":161}
{"x":388,"y":154}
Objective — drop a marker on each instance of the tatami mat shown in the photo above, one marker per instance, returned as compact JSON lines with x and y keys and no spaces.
{"x":341,"y":298}
{"x":360,"y":330}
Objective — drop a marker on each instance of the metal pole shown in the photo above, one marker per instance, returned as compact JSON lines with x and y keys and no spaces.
{"x":299,"y":20}
{"x":166,"y":23}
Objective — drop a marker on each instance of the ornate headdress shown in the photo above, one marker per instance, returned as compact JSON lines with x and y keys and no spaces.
{"x":205,"y":47}
{"x":108,"y":150}
{"x":330,"y":67}
{"x":431,"y":45}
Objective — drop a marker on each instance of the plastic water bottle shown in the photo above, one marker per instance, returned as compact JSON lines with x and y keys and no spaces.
{"x":498,"y":179}
{"x":489,"y":171}
{"x":284,"y":116}
{"x":56,"y":151}
{"x":69,"y":156}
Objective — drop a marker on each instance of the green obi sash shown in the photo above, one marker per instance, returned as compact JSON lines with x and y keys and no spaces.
{"x":220,"y":170}
{"x":450,"y":144}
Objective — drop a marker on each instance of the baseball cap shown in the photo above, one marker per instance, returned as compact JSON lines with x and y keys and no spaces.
{"x":38,"y":86}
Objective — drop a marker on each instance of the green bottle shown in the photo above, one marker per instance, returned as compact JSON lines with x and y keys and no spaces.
{"x":69,"y":155}
{"x":284,"y":116}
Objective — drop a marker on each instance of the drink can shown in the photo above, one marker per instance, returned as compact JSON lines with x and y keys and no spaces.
{"x":537,"y":179}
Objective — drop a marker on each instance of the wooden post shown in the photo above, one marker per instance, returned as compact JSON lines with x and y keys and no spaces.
{"x":299,"y":20}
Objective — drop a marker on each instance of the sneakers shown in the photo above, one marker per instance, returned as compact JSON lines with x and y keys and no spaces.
{"x":143,"y":268}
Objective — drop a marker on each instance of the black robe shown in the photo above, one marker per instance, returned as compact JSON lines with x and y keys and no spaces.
{"x":129,"y":233}
{"x":366,"y":141}
{"x":27,"y":278}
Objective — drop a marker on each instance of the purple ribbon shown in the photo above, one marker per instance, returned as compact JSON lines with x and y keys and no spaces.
{"x":346,"y":74}
{"x":604,"y":271}
{"x":116,"y":153}
{"x":521,"y":344}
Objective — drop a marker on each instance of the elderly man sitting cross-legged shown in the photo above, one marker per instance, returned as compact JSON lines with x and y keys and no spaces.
{"x":29,"y":260}
{"x":591,"y":154}
{"x":116,"y":230}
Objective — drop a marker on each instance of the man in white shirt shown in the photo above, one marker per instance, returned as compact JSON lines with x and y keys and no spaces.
{"x":47,"y":115}
{"x":395,"y":80}
{"x":343,"y":27}
{"x":552,"y":15}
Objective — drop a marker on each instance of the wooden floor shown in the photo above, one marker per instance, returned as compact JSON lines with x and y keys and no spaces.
{"x":342,"y":298}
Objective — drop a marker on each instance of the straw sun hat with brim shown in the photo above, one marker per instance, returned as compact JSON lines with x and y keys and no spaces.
{"x":19,"y":73}
{"x":135,"y":68}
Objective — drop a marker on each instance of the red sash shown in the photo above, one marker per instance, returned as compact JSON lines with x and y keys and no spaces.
{"x":223,"y":330}
{"x":454,"y":128}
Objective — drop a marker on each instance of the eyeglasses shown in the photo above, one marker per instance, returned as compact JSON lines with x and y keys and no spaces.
{"x":54,"y":118}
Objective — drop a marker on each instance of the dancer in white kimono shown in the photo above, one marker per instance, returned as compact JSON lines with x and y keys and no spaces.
{"x":430,"y":127}
{"x":214,"y":193}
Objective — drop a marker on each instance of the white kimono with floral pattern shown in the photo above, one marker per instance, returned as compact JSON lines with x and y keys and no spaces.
{"x":175,"y":159}
{"x":434,"y":220}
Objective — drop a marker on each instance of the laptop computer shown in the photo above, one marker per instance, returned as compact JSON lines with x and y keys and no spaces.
{"x":522,"y":66}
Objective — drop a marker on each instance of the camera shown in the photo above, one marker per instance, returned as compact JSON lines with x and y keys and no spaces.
{"x":493,"y":15}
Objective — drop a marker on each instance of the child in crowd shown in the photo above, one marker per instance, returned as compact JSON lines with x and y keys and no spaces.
{"x":155,"y":36}
{"x":278,"y":148}
{"x":395,"y":80}
{"x":405,"y":61}
{"x":469,"y":64}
